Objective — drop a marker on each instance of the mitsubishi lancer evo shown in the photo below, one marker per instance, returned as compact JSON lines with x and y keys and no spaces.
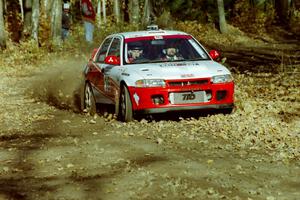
{"x":155,"y":71}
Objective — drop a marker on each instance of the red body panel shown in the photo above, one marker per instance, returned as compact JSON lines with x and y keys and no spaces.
{"x":142,"y":98}
{"x":145,"y":95}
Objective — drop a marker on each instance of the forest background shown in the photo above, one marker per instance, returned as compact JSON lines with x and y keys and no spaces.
{"x":36,"y":24}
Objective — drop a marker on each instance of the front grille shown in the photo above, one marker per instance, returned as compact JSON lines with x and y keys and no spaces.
{"x":185,"y":83}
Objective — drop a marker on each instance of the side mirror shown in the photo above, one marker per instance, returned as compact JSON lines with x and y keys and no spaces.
{"x":94,"y":54}
{"x":214,"y":54}
{"x":112,"y":60}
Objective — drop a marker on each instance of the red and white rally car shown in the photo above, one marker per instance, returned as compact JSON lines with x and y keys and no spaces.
{"x":155,"y":71}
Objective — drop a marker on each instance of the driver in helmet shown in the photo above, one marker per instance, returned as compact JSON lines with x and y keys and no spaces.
{"x":171,"y":53}
{"x":135,"y":53}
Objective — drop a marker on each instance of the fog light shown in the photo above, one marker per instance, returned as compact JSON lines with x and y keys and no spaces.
{"x":221,"y":94}
{"x":158,"y":99}
{"x":208,"y":95}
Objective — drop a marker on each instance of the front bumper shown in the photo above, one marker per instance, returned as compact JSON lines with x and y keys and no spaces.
{"x":185,"y":108}
{"x":221,"y":96}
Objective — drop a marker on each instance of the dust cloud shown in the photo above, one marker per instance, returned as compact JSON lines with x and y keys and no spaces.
{"x":60,"y":83}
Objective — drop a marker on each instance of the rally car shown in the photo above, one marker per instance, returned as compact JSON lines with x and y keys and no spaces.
{"x":155,"y":71}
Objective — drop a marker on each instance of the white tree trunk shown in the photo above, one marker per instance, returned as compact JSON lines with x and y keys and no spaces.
{"x":35,"y":19}
{"x":2,"y":27}
{"x":27,"y":17}
{"x":48,"y":6}
{"x":99,"y":20}
{"x":222,"y":20}
{"x":56,"y":16}
{"x":104,"y":10}
{"x":134,"y":12}
{"x":22,"y":10}
{"x":147,"y":11}
{"x":117,"y":10}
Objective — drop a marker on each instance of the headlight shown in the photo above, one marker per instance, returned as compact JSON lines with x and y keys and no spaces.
{"x":222,"y":78}
{"x":150,"y":83}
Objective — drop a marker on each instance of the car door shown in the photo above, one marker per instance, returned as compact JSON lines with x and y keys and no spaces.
{"x":111,"y":71}
{"x":96,"y":72}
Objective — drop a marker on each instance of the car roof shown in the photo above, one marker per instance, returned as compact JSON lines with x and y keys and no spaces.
{"x":149,"y":33}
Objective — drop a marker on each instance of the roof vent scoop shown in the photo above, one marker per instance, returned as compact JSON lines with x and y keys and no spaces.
{"x":152,"y":28}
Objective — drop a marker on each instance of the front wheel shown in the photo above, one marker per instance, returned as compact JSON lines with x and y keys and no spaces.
{"x":226,"y":111}
{"x":125,"y":111}
{"x":89,"y":103}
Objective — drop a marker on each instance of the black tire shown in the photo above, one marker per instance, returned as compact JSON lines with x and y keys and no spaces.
{"x":125,"y":110}
{"x":88,"y":100}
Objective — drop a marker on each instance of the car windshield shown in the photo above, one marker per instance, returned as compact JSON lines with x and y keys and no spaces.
{"x":163,"y":49}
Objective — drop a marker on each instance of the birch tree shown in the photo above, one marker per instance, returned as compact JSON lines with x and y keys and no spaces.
{"x":134,"y":12}
{"x":48,"y":5}
{"x":56,"y":16}
{"x":99,"y":20}
{"x":117,"y":10}
{"x":222,"y":20}
{"x":2,"y":27}
{"x":104,"y":10}
{"x":147,"y":12}
{"x":27,"y":17}
{"x":22,"y":9}
{"x":35,"y":19}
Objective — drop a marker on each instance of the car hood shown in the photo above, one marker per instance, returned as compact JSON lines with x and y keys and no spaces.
{"x":178,"y":70}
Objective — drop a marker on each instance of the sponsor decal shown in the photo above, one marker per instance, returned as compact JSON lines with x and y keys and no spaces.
{"x":136,"y":98}
{"x":186,"y":97}
{"x":178,"y":64}
{"x":187,"y":75}
{"x":158,"y":37}
{"x":106,"y":84}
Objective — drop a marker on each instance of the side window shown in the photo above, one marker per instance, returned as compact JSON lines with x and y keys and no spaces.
{"x":103,"y":50}
{"x":115,"y":46}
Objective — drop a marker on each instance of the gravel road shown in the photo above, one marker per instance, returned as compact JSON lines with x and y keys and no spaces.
{"x":48,"y":150}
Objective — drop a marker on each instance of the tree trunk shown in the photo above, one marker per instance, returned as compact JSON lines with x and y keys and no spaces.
{"x":35,"y":20}
{"x":48,"y":5}
{"x":282,"y":8}
{"x":222,"y":20}
{"x":134,"y":12}
{"x":125,"y":10}
{"x":2,"y":27}
{"x":104,"y":10}
{"x":117,"y":10}
{"x":99,"y":20}
{"x":22,"y":9}
{"x":56,"y":21}
{"x":27,"y":18}
{"x":147,"y":12}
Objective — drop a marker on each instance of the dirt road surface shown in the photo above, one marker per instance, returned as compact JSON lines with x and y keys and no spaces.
{"x":48,"y":150}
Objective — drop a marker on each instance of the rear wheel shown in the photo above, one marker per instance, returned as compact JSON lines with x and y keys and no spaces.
{"x":89,"y":103}
{"x":125,"y":111}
